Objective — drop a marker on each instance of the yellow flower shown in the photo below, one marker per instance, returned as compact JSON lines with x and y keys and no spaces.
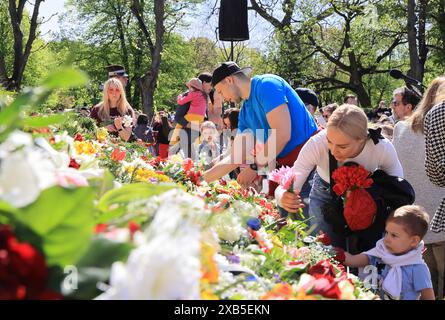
{"x":144,"y":175}
{"x":176,"y":159}
{"x":208,"y":295}
{"x":277,"y":242}
{"x":347,"y":290}
{"x":234,"y":184}
{"x":85,"y":147}
{"x":101,"y":134}
{"x":209,"y":269}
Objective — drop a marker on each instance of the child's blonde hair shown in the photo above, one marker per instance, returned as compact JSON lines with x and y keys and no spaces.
{"x":211,"y":126}
{"x":208,"y":125}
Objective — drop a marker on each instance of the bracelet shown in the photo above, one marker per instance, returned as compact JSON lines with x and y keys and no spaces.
{"x":121,"y":129}
{"x":253,"y":166}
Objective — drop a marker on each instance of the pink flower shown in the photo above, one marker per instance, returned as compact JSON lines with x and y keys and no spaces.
{"x":69,"y":178}
{"x":285,"y":176}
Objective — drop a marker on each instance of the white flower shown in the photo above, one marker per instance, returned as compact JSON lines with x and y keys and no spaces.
{"x":228,"y":226}
{"x":16,"y":139}
{"x":23,"y":175}
{"x":127,"y":121}
{"x":167,"y":265}
{"x":223,"y":196}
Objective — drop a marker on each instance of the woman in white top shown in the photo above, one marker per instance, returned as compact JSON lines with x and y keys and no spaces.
{"x":409,"y":135}
{"x":348,"y":140}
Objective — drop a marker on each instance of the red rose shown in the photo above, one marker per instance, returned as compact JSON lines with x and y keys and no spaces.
{"x":327,"y":287}
{"x":23,"y":270}
{"x":322,"y":268}
{"x":360,"y":209}
{"x":78,"y":137}
{"x":74,"y":164}
{"x":324,"y":238}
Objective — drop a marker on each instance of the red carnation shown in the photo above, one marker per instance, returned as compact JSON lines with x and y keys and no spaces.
{"x":360,"y":210}
{"x":350,"y":178}
{"x":23,"y":270}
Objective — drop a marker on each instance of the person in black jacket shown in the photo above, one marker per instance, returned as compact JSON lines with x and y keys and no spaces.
{"x":162,"y":127}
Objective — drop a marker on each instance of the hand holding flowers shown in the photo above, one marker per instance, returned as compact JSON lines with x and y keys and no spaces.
{"x":291,"y":201}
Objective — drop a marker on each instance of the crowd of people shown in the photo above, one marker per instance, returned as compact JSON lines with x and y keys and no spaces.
{"x":276,"y":125}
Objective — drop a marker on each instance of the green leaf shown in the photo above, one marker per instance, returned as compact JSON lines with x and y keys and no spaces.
{"x":131,"y":192}
{"x":64,"y":218}
{"x":12,"y":112}
{"x":66,"y":78}
{"x":95,"y":266}
{"x":103,"y":252}
{"x":103,"y":184}
{"x":39,"y":122}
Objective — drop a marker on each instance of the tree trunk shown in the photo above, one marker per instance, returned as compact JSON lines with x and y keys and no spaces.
{"x":123,"y":45}
{"x":149,"y":81}
{"x":416,"y":38}
{"x":441,"y":22}
{"x":362,"y":95}
{"x":21,"y":50}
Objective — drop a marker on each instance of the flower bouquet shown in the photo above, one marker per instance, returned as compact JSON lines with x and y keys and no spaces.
{"x":359,"y":207}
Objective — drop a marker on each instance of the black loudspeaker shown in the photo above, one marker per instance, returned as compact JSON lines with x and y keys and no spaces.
{"x":233,"y":24}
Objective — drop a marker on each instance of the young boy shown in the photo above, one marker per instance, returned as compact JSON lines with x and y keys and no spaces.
{"x":405,"y":275}
{"x":209,"y":149}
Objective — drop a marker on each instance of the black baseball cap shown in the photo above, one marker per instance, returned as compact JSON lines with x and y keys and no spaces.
{"x":205,"y":77}
{"x":115,"y":70}
{"x":307,"y":96}
{"x":227,"y":69}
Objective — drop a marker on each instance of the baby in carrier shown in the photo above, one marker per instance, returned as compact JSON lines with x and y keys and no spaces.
{"x":198,"y":105}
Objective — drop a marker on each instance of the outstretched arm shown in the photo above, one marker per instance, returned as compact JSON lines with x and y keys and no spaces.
{"x":356,"y":260}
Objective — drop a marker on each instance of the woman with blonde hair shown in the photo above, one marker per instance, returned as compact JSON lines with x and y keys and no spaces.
{"x":346,"y":139}
{"x":429,"y":123}
{"x":113,"y":109}
{"x":410,"y":134}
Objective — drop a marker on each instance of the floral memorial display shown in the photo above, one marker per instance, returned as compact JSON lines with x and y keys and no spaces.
{"x":84,"y":215}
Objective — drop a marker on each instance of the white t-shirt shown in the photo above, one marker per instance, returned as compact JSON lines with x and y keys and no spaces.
{"x":315,"y":153}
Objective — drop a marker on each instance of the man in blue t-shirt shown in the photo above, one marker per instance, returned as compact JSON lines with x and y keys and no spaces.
{"x":271,"y":112}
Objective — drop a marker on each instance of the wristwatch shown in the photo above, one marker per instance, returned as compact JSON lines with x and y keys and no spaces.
{"x":253,"y":166}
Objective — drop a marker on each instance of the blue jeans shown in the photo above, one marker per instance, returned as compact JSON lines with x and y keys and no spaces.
{"x":318,"y":197}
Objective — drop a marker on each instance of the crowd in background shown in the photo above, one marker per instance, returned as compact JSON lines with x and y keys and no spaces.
{"x":206,"y":126}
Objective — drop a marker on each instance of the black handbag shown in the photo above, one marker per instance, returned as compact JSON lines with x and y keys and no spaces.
{"x":333,"y":210}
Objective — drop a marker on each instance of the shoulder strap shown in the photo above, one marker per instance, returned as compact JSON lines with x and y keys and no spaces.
{"x":332,"y":167}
